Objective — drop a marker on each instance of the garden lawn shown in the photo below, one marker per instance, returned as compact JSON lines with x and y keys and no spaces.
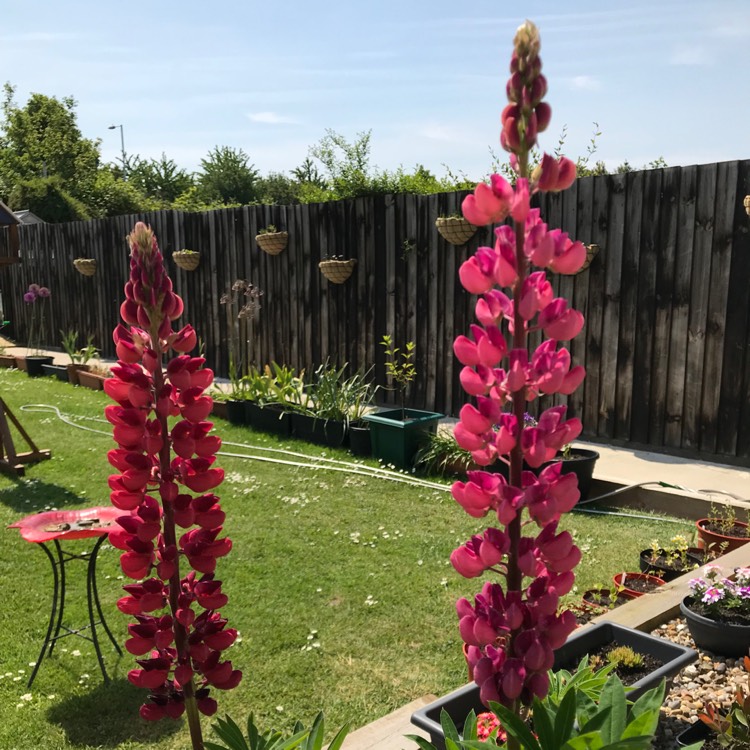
{"x":340,"y":586}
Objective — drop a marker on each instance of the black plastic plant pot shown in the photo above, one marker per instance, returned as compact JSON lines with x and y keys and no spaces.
{"x":270,"y":418}
{"x":665,"y":572}
{"x":719,"y":637}
{"x":581,"y":642}
{"x":328,"y":432}
{"x":396,"y":441}
{"x":236,"y":412}
{"x":34,"y":365}
{"x":360,"y":442}
{"x":697,"y":732}
{"x":58,"y":371}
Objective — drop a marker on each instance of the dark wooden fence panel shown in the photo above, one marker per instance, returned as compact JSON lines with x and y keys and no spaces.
{"x":667,"y":300}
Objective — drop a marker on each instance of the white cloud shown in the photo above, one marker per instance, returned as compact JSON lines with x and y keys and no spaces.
{"x":683,"y":55}
{"x":270,"y":118}
{"x":585,"y":83}
{"x":434,"y":131}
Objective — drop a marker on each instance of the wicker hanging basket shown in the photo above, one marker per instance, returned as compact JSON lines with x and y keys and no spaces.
{"x":455,"y":229}
{"x":272,"y":242}
{"x":591,"y":253}
{"x":337,"y":271}
{"x":187,"y":259}
{"x":86,"y":266}
{"x":746,"y":203}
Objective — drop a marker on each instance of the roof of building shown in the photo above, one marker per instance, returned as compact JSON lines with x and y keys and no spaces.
{"x":6,"y":216}
{"x":25,"y":216}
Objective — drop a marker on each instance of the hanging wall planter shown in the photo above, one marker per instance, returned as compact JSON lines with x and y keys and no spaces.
{"x":188,"y":260}
{"x":337,"y":271}
{"x":271,"y":241}
{"x":455,"y":229}
{"x":591,"y":252}
{"x":85,"y":266}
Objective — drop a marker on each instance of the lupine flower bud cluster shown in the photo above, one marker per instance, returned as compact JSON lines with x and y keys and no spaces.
{"x":165,"y":459}
{"x":512,"y":628}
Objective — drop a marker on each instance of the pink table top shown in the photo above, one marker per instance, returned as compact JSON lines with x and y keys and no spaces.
{"x":67,"y":524}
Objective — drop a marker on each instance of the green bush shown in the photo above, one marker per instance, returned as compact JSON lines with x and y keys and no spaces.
{"x":48,"y":199}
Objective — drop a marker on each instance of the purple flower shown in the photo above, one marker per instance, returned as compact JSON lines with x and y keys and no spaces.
{"x":744,"y":592}
{"x":34,"y":289}
{"x":29,"y":297}
{"x":697,"y":583}
{"x":43,"y":292}
{"x":712,"y":595}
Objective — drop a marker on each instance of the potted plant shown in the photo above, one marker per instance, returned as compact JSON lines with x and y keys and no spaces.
{"x":6,"y":360}
{"x":242,"y":306}
{"x":271,"y":240}
{"x":56,"y":371}
{"x":188,"y":260}
{"x":336,"y":269}
{"x":440,"y":454}
{"x":633,"y":585}
{"x":670,"y":561}
{"x":36,"y":298}
{"x":271,"y":398}
{"x":397,"y":433}
{"x":717,"y":611}
{"x":670,"y":657}
{"x":722,"y":532}
{"x":85,"y":266}
{"x":94,"y":377}
{"x":602,"y":596}
{"x":455,"y":229}
{"x":79,"y":357}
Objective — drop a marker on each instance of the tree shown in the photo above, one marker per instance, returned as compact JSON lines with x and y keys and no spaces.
{"x":160,"y":179}
{"x":113,"y":196}
{"x":42,"y":139}
{"x":277,"y":188}
{"x":226,"y":177}
{"x":48,"y":199}
{"x":347,"y":164}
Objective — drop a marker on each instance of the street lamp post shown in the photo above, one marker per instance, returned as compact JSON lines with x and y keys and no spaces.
{"x":122,"y":146}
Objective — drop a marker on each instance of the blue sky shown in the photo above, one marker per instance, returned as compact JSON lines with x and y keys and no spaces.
{"x":667,"y":79}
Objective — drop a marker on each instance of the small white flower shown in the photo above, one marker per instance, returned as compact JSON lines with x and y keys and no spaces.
{"x":26,"y":697}
{"x":420,"y":562}
{"x":75,"y":653}
{"x":280,"y":708}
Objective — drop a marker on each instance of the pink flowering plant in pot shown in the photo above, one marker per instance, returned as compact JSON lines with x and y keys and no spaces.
{"x":513,"y":626}
{"x":170,"y":530}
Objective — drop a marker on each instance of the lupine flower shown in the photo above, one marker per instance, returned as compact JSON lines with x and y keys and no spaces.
{"x":513,"y":627}
{"x":181,"y":648}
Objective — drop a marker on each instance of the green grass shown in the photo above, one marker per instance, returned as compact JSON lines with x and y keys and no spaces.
{"x":311,"y":549}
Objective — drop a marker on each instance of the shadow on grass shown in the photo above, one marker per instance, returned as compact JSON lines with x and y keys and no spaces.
{"x":107,"y":716}
{"x":33,"y":496}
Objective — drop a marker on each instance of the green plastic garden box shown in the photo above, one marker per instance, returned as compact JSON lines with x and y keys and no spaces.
{"x":396,"y":441}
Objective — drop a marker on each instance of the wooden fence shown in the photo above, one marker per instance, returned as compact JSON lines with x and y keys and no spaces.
{"x":667,"y":300}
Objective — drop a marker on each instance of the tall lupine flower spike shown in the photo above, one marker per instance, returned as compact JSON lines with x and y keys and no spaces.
{"x":512,"y":627}
{"x":165,"y":454}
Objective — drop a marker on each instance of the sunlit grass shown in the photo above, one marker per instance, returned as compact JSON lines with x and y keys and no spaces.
{"x":340,"y":586}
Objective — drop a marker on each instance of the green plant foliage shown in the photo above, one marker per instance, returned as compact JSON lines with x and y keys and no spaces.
{"x":227,"y":177}
{"x":113,"y":196}
{"x":160,"y":179}
{"x":624,"y":657}
{"x":48,"y":199}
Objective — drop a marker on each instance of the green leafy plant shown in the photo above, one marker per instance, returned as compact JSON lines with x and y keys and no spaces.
{"x":733,"y":728}
{"x":270,"y":229}
{"x":724,"y":518}
{"x":78,"y":356}
{"x":306,"y":739}
{"x":624,"y":657}
{"x":441,"y":454}
{"x":399,"y":367}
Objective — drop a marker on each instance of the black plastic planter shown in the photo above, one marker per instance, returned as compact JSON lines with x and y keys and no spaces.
{"x":581,"y":642}
{"x":236,"y":412}
{"x":718,"y":637}
{"x":664,"y":572}
{"x":58,"y":371}
{"x":697,"y":732}
{"x":270,"y":419}
{"x":328,"y":432}
{"x":34,"y":365}
{"x":360,"y":442}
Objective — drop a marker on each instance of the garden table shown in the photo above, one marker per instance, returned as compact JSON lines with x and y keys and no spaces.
{"x":59,"y":526}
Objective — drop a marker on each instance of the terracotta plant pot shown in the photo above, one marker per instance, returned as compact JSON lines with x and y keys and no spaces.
{"x":272,"y":242}
{"x":21,"y":363}
{"x":6,"y":360}
{"x":638,"y":580}
{"x":91,"y":380}
{"x":73,"y":371}
{"x":719,"y":543}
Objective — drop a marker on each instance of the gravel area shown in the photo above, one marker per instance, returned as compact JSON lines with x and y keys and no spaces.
{"x":712,"y":677}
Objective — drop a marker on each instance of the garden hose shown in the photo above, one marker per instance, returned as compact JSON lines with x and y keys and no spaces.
{"x":372,"y":472}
